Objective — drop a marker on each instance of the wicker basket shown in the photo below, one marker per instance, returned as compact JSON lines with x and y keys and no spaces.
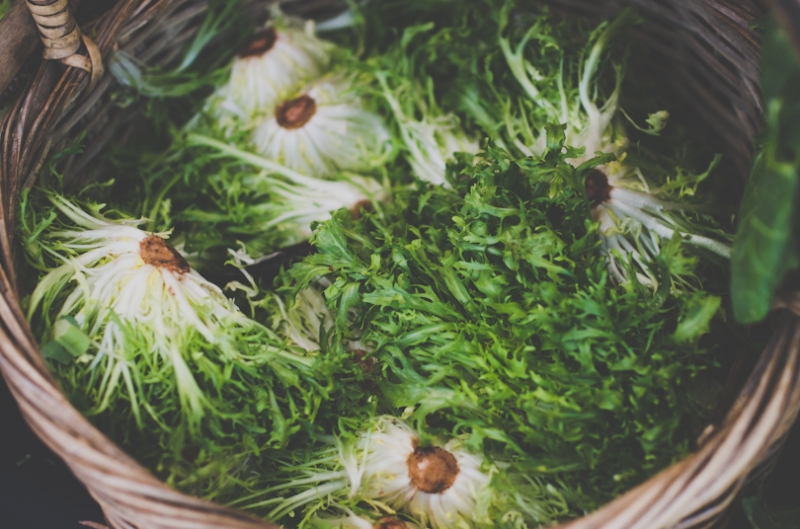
{"x":707,"y":53}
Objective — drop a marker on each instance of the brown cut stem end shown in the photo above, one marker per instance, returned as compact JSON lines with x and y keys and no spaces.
{"x":598,"y":189}
{"x":432,"y":469}
{"x":366,"y":205}
{"x":390,"y":523}
{"x":259,"y":44}
{"x":157,"y":252}
{"x":295,"y":113}
{"x":367,"y":364}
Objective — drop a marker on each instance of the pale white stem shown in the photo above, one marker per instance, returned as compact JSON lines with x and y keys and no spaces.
{"x":516,"y":62}
{"x":664,"y":232}
{"x":301,"y":499}
{"x":253,"y":159}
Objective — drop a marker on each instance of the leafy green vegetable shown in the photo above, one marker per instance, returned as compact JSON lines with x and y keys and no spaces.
{"x":285,"y":200}
{"x":491,"y":315}
{"x":766,"y":245}
{"x":429,"y":136}
{"x":547,"y":308}
{"x":370,"y":473}
{"x":267,"y":155}
{"x":519,"y":74}
{"x":220,"y":26}
{"x":155,"y":353}
{"x":271,"y":65}
{"x":325,"y":128}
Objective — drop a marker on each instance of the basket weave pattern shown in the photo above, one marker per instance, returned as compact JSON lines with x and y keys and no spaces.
{"x":709,"y":56}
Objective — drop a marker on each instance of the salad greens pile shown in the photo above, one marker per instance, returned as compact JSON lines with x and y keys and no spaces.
{"x":486,"y":312}
{"x":513,"y":309}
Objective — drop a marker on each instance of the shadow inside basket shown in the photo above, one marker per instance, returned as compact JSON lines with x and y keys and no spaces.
{"x":37,"y":490}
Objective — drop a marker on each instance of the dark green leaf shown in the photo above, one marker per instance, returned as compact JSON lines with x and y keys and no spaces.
{"x":765,"y":247}
{"x":56,"y":351}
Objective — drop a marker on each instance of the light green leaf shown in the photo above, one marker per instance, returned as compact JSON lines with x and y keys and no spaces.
{"x":695,"y":322}
{"x":70,"y":337}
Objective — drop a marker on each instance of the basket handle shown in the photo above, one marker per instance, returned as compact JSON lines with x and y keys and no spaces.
{"x":62,"y":37}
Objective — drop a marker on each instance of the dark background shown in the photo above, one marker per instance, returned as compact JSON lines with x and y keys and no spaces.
{"x":37,"y":491}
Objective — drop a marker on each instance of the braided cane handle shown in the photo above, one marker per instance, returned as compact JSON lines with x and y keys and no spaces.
{"x":62,"y":37}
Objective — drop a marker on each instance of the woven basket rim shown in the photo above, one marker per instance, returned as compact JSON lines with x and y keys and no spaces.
{"x":692,"y":493}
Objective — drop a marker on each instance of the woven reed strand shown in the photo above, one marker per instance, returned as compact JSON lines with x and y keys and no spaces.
{"x":708,"y":55}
